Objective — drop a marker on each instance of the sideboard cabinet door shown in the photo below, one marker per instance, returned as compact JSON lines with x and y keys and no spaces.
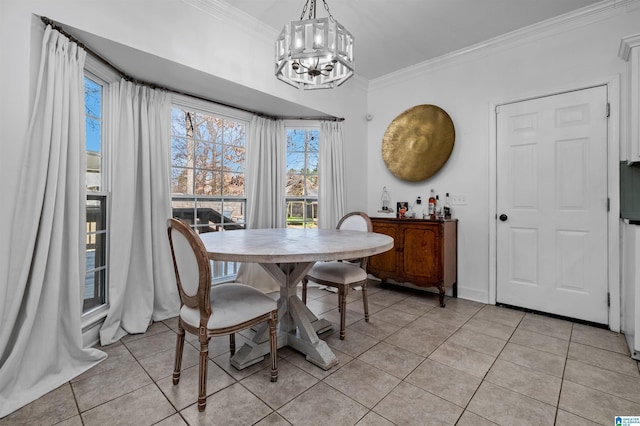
{"x":422,"y":254}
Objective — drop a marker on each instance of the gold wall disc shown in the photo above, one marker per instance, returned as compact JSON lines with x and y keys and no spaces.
{"x":418,"y":142}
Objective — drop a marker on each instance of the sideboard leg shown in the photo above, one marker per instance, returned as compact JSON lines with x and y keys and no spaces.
{"x":441,"y":295}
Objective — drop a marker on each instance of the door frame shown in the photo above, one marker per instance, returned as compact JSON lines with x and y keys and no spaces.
{"x":613,"y":188}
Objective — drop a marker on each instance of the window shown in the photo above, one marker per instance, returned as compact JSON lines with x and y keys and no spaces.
{"x":95,"y":283}
{"x":207,"y":173}
{"x":302,"y":177}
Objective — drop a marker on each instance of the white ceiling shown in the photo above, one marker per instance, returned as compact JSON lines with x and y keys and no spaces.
{"x":389,"y":35}
{"x":394,"y":34}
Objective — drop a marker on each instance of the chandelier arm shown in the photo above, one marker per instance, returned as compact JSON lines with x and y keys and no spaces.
{"x":300,"y":63}
{"x":323,"y":71}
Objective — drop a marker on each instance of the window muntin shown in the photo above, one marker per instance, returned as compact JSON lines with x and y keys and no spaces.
{"x":302,"y":177}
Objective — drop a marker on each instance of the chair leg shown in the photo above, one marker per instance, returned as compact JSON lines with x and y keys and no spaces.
{"x":304,"y":290}
{"x":202,"y":385}
{"x":342,"y":306}
{"x":365,"y":301}
{"x":178,"y":359}
{"x":232,"y":344}
{"x":273,"y":346}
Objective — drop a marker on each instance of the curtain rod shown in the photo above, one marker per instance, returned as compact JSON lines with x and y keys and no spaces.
{"x":127,"y":77}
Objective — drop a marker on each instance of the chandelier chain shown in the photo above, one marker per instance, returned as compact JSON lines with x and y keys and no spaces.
{"x":312,"y":10}
{"x":304,"y":10}
{"x":326,"y":6}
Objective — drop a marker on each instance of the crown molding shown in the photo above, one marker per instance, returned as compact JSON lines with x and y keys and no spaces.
{"x":556,"y":25}
{"x":626,"y":44}
{"x":223,"y":11}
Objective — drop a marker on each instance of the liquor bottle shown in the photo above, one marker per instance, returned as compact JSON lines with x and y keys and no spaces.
{"x":438,"y":208}
{"x":432,"y":204}
{"x":447,"y":207}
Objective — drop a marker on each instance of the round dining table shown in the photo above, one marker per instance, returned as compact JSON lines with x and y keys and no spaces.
{"x":287,"y":254}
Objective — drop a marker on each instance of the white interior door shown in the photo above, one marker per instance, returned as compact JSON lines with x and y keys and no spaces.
{"x":552,"y":204}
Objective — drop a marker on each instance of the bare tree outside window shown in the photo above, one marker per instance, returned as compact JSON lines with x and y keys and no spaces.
{"x":208,"y":174}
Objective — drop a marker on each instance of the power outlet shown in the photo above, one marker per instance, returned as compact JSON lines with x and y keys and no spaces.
{"x":459,"y":199}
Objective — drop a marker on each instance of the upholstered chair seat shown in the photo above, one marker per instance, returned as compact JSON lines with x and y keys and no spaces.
{"x":343,"y":274}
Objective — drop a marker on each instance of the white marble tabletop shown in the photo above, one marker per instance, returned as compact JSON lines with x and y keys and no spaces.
{"x":287,"y":245}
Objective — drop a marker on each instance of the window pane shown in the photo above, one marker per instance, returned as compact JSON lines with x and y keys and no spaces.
{"x":295,"y":161}
{"x":312,"y":186}
{"x":312,"y":162}
{"x":206,"y":128}
{"x":93,"y":133}
{"x":295,"y":184}
{"x":94,"y":289}
{"x":314,"y":137}
{"x":181,"y":180}
{"x":207,"y":156}
{"x":233,"y":212}
{"x":296,"y":140}
{"x":178,"y":122}
{"x":233,"y":184}
{"x":180,"y":152}
{"x":233,"y":159}
{"x":209,"y":216}
{"x":92,"y":98}
{"x":95,"y":252}
{"x":208,"y":183}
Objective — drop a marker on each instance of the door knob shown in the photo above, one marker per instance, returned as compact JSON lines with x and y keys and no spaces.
{"x":503,"y":217}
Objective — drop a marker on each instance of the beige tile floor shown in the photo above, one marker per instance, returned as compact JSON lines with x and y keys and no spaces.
{"x":414,"y":363}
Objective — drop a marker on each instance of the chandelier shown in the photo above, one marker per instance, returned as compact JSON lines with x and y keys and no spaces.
{"x":314,"y":53}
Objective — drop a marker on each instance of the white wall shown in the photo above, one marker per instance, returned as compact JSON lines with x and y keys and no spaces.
{"x":579,"y":53}
{"x":169,"y":29}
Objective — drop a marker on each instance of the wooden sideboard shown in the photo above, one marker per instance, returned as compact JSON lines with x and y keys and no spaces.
{"x":425,"y":253}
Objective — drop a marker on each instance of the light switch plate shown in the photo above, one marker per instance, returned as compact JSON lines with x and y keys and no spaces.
{"x":459,"y":199}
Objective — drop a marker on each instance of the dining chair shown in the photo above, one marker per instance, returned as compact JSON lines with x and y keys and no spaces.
{"x":345,"y":273}
{"x":208,"y":311}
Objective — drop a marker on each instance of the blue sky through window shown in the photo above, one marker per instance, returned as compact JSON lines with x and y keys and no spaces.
{"x":93,"y":110}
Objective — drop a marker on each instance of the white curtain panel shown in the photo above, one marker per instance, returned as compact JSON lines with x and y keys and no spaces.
{"x":40,"y":308}
{"x":266,"y":165}
{"x":330,"y":175}
{"x":141,"y":279}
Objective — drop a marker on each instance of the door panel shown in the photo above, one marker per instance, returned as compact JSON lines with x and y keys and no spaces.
{"x":552,"y":187}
